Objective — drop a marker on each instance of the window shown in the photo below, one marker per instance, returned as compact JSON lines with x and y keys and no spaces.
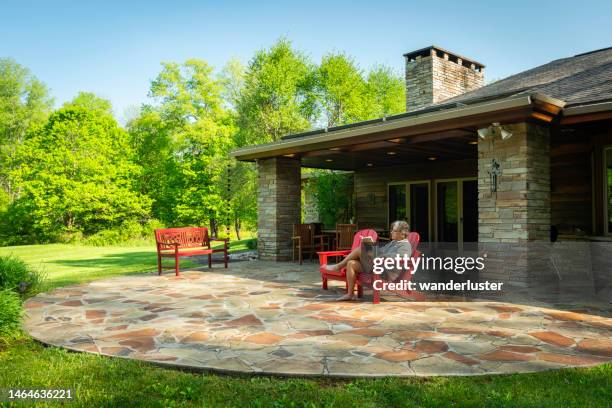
{"x":397,"y":202}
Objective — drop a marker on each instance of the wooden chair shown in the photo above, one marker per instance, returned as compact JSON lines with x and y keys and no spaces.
{"x":344,"y":236}
{"x":305,"y":240}
{"x":341,"y":274}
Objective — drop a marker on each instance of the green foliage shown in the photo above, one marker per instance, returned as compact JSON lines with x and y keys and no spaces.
{"x":91,"y":102}
{"x":251,"y":244}
{"x":275,"y":99}
{"x":24,"y":105}
{"x":76,"y":176}
{"x":128,"y":232}
{"x":333,"y":197}
{"x":385,"y":93}
{"x":18,"y":276}
{"x":340,"y":90}
{"x":11,"y":313}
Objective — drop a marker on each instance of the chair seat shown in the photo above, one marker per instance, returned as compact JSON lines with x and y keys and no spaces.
{"x":340,"y":273}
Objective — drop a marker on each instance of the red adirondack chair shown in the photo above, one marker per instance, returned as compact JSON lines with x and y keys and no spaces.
{"x":341,"y":274}
{"x":368,"y":279}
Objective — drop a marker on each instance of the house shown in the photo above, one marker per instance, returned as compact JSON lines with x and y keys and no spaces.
{"x":527,"y":158}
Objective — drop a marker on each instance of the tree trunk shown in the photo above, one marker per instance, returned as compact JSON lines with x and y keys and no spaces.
{"x":237,"y":228}
{"x":213,"y":228}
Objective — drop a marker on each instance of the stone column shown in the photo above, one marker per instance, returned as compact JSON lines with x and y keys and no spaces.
{"x":278,"y":201}
{"x":517,"y":213}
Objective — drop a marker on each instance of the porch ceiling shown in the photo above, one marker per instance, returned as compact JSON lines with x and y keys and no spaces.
{"x":456,"y":145}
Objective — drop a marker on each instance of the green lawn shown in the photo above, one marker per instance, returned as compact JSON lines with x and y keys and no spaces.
{"x":102,"y":381}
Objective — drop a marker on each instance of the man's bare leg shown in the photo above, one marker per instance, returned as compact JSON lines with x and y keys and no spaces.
{"x":354,"y":255}
{"x":353,"y":267}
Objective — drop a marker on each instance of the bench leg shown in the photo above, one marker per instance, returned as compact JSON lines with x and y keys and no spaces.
{"x":209,"y":260}
{"x":225,"y":258}
{"x":325,"y":283}
{"x":159,"y":265}
{"x":176,"y":265}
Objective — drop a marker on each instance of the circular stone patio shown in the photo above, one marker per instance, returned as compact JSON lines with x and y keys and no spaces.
{"x":273,"y":318}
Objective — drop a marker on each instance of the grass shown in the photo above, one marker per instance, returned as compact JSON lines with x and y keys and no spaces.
{"x":103,"y":381}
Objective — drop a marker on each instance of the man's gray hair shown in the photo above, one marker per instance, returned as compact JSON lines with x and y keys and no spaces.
{"x":401,"y":226}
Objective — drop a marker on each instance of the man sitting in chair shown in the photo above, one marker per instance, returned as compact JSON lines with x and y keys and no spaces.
{"x":398,"y":245}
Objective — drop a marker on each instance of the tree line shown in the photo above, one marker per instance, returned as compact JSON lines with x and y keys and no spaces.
{"x":73,"y":173}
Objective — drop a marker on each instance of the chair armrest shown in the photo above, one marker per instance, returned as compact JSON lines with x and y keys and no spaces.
{"x":335,"y":253}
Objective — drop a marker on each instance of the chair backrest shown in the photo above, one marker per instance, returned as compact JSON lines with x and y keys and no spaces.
{"x":414,"y":238}
{"x":186,"y":237}
{"x":359,"y":235}
{"x":344,"y":235}
{"x":305,"y":232}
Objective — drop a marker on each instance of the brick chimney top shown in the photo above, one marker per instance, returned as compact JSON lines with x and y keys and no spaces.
{"x":442,"y":53}
{"x":434,"y":75}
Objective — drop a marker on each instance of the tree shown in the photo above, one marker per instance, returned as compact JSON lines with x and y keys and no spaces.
{"x":386,"y":93}
{"x":341,"y":90}
{"x":182,"y":142}
{"x":76,"y":174}
{"x":276,"y":98}
{"x":24,"y":104}
{"x":92,"y":102}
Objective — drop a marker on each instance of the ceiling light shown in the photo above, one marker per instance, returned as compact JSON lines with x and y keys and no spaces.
{"x":505,"y":135}
{"x":334,"y":148}
{"x":328,"y":160}
{"x":397,"y":140}
{"x":473,"y":142}
{"x":483,"y":133}
{"x":289,"y":155}
{"x":432,"y":158}
{"x":369,"y":164}
{"x":494,"y":129}
{"x":391,"y":153}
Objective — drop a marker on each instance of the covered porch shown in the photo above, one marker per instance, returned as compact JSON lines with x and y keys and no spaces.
{"x":428,"y":167}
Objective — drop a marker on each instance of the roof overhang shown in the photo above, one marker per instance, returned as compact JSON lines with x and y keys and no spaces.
{"x":587,"y":113}
{"x":413,"y":126}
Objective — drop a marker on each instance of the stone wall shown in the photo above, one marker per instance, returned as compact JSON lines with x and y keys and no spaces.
{"x":516,"y":217}
{"x":278,"y":202}
{"x":435,"y":78}
{"x":520,"y":208}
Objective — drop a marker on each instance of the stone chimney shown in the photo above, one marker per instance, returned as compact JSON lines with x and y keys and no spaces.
{"x":434,"y":75}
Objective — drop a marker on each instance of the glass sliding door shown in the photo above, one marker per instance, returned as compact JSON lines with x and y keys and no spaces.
{"x":397,"y":202}
{"x":447,"y":193}
{"x":457,"y":210}
{"x":410,"y":202}
{"x":469,"y":197}
{"x":419,"y":209}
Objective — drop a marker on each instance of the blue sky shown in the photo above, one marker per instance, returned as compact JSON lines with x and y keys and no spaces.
{"x":115,"y":48}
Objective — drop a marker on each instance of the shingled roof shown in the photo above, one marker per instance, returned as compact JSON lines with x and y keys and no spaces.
{"x":581,"y":79}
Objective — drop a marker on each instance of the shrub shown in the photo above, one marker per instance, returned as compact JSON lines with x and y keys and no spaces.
{"x":10,"y":314}
{"x":252,"y":243}
{"x":128,"y":232}
{"x":18,"y":276}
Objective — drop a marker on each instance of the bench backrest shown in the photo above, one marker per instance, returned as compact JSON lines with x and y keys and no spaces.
{"x":186,"y":237}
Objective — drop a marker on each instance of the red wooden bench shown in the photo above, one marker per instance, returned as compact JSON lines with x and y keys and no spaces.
{"x":187,"y":241}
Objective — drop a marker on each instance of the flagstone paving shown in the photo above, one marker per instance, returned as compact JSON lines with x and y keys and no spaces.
{"x":273,"y":318}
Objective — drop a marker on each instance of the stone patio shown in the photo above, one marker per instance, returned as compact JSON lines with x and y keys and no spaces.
{"x":273,"y":318}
